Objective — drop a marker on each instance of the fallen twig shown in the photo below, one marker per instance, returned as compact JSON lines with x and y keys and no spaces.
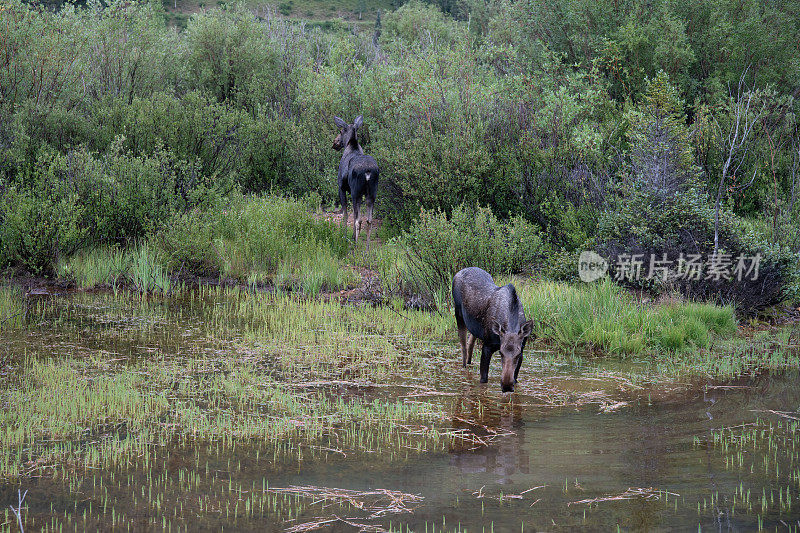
{"x":377,"y":502}
{"x":789,"y":415}
{"x":632,"y":493}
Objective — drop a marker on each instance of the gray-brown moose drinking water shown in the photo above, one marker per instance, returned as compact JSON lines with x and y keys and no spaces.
{"x":495,"y":316}
{"x":358,"y":175}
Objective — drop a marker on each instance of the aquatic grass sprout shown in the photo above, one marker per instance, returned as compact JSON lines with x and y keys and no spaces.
{"x":142,"y":266}
{"x":328,"y":339}
{"x":134,"y":406}
{"x":56,"y":405}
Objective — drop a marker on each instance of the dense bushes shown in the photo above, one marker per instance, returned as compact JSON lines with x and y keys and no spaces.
{"x":66,"y":202}
{"x":35,"y":229}
{"x":114,"y":126}
{"x":646,"y":224}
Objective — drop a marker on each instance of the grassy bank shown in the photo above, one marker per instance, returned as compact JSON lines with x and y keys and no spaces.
{"x":250,"y":240}
{"x":608,"y":319}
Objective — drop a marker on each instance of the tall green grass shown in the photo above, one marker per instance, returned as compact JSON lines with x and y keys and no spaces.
{"x":11,"y":308}
{"x":141,"y":266}
{"x":250,"y":239}
{"x":260,"y":240}
{"x":147,"y":271}
{"x":96,"y":267}
{"x":604,"y":316}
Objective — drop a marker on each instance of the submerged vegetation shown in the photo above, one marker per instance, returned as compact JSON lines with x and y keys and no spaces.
{"x":11,"y":308}
{"x":57,"y":403}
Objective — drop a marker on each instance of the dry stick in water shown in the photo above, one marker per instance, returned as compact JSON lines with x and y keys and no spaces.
{"x":377,"y":502}
{"x":789,"y":415}
{"x":634,"y":492}
{"x":18,"y":511}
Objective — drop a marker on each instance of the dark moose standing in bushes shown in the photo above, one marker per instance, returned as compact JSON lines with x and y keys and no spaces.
{"x":358,"y":175}
{"x":494,"y":315}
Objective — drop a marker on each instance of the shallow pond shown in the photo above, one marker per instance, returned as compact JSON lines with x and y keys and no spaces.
{"x":579,"y":445}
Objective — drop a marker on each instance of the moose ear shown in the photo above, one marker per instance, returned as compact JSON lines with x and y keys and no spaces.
{"x":498,"y":328}
{"x":527,"y":329}
{"x":358,"y":121}
{"x":339,"y":122}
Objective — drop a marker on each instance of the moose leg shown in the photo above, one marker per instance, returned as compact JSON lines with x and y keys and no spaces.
{"x":343,"y":201}
{"x":470,"y":346}
{"x":368,"y":208}
{"x":516,"y":372}
{"x":486,"y":356}
{"x":462,"y":336}
{"x":356,"y":219}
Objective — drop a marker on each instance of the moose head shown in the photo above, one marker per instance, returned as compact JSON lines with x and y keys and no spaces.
{"x":511,"y":345}
{"x":347,"y":133}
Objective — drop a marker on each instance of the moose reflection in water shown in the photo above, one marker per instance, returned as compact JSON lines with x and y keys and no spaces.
{"x":503,"y":452}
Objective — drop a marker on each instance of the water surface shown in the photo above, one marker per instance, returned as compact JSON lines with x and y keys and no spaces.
{"x":578,"y":446}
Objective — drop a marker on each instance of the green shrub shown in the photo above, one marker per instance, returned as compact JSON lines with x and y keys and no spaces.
{"x":418,"y":24}
{"x":37,"y":228}
{"x":480,"y":110}
{"x":188,"y":241}
{"x":79,"y":200}
{"x":438,"y":246}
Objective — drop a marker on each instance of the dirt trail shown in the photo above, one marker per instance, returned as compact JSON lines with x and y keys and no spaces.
{"x":336,"y":218}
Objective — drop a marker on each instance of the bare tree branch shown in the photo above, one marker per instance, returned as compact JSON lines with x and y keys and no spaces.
{"x":737,"y":142}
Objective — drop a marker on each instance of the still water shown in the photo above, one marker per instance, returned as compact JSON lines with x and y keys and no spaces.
{"x":614,"y":456}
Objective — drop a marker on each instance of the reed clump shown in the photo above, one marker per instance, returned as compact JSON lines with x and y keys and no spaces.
{"x":142,"y":267}
{"x":603,"y":316}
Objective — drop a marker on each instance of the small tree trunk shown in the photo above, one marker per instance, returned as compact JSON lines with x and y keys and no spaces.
{"x":718,"y":204}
